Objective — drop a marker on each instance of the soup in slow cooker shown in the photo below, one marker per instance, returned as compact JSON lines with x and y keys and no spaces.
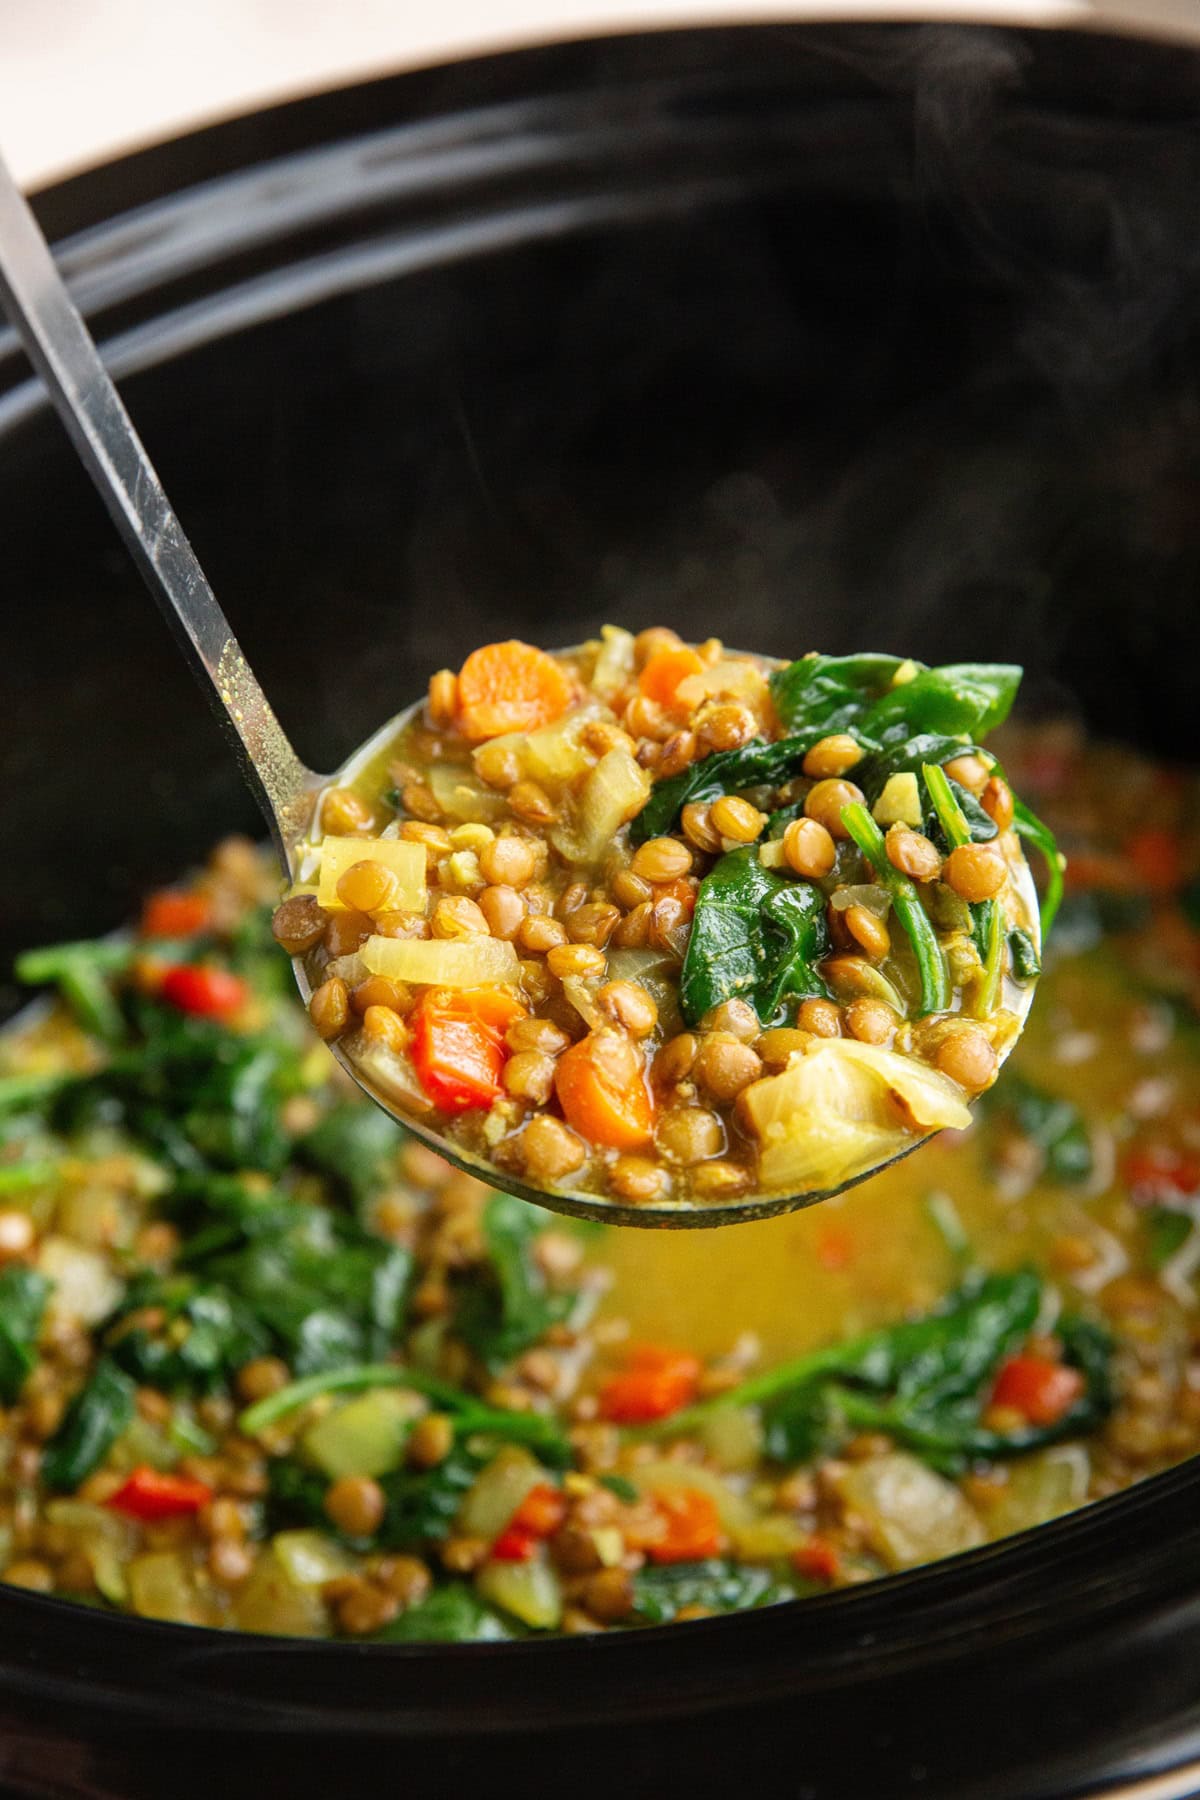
{"x":266,"y":1364}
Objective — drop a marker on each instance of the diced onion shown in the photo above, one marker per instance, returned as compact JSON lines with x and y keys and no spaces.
{"x":613,"y":793}
{"x":461,"y":795}
{"x":406,"y":862}
{"x":899,"y":803}
{"x":530,"y":1591}
{"x":910,"y":1514}
{"x":444,"y":962}
{"x":614,"y":662}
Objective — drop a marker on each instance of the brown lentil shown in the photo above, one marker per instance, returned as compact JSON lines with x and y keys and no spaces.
{"x":367,"y":887}
{"x":724,"y":1065}
{"x":825,"y":802}
{"x":780,"y":1043}
{"x":299,"y":923}
{"x":344,"y":813}
{"x":262,"y":1377}
{"x":871,"y":1021}
{"x":383,"y":1027}
{"x":537,"y":1034}
{"x":539,"y":934}
{"x":508,"y":862}
{"x":997,"y":801}
{"x":593,"y":924}
{"x":970,"y":772}
{"x":809,"y":849}
{"x":689,"y":1135}
{"x":355,"y":1504}
{"x":736,"y":1017}
{"x":628,"y":1005}
{"x":674,"y":1061}
{"x":17,"y":1233}
{"x":638,"y":1179}
{"x":458,"y":917}
{"x":967,"y":1057}
{"x":443,"y":699}
{"x":821,"y":1017}
{"x":329,"y":1007}
{"x":661,"y":859}
{"x":377,"y":990}
{"x":832,"y":756}
{"x":975,"y":872}
{"x":735,"y":820}
{"x":529,"y":1076}
{"x":581,"y":960}
{"x":869,"y":931}
{"x":550,"y":1149}
{"x":913,"y":853}
{"x":504,"y":911}
{"x":698,"y":828}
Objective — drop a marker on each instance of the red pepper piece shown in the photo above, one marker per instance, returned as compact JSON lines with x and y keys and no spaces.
{"x":206,"y":992}
{"x":1041,"y":1390}
{"x":150,"y":1494}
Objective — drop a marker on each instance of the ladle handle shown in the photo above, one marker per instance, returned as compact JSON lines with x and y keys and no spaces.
{"x":63,"y":353}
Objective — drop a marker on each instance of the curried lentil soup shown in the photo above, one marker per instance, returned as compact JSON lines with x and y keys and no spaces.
{"x":669,"y":925}
{"x":265,"y":1364}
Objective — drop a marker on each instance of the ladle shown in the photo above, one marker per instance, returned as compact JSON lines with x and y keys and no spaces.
{"x":65,"y":356}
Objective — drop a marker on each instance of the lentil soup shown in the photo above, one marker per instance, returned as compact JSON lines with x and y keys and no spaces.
{"x":671,"y":926}
{"x":266,"y":1364}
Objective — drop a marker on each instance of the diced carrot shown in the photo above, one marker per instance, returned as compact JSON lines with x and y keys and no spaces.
{"x":654,"y":1383}
{"x":458,"y":1045}
{"x":1155,"y":854}
{"x":207,"y":992}
{"x":660,"y":679}
{"x":691,"y":1527}
{"x":510,"y":687}
{"x":601,"y":1087}
{"x":817,"y":1560}
{"x":174,"y":914}
{"x":1041,"y":1390}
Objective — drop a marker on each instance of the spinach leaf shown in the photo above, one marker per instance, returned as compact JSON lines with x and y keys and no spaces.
{"x":756,"y":935}
{"x":507,"y":1306}
{"x":907,"y":756}
{"x":660,"y":1594}
{"x":924,"y":1382}
{"x":824,"y":694}
{"x":1056,"y":1126}
{"x":82,"y":973}
{"x":205,"y":1337}
{"x":726,"y":772}
{"x":1026,"y":824}
{"x":94,"y":1421}
{"x":957,"y":699}
{"x":1023,"y":953}
{"x":1167,"y":1231}
{"x":23,"y":1294}
{"x":918,"y":927}
{"x":422,"y":1504}
{"x":356,"y":1146}
{"x":453,"y":1614}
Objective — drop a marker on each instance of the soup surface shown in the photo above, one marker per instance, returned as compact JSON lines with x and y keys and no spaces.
{"x":265,"y":1364}
{"x":668,"y":925}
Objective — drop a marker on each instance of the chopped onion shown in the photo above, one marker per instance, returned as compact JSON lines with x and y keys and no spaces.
{"x":444,"y":962}
{"x":614,"y":662}
{"x":530,"y":1591}
{"x":405,"y":861}
{"x":910,"y":1515}
{"x":899,"y":803}
{"x":615,"y":790}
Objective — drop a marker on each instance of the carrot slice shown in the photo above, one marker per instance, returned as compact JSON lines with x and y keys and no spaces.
{"x":691,"y":1527}
{"x":664,"y":671}
{"x":510,"y":687}
{"x":458,"y":1045}
{"x":602,"y":1090}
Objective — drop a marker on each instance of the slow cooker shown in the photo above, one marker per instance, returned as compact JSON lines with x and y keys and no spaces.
{"x":819,"y":334}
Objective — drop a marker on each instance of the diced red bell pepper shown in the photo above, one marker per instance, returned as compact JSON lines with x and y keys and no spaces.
{"x":458,"y":1045}
{"x":172,"y":914}
{"x":1160,"y":1171}
{"x":816,"y":1560}
{"x":204,"y":991}
{"x":1041,"y":1390}
{"x":691,"y":1527}
{"x":149,"y":1494}
{"x":654,"y":1383}
{"x":515,"y":1545}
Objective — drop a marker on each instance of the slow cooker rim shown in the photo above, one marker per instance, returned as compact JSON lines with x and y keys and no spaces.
{"x":1033,"y":1554}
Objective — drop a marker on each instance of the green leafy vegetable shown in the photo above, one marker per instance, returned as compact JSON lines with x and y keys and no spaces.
{"x":906,"y":757}
{"x":726,"y":772}
{"x":618,"y":1484}
{"x":1027,"y":825}
{"x":507,"y":1305}
{"x":94,"y":1421}
{"x":660,"y":1594}
{"x":356,"y":1146}
{"x":422,"y":1504}
{"x":967,"y":699}
{"x":1026,"y":963}
{"x":924,"y":1382}
{"x":82,"y":973}
{"x":23,"y":1295}
{"x":756,"y":935}
{"x":453,"y":1614}
{"x":918,"y":927}
{"x":1056,"y":1126}
{"x":818,"y":695}
{"x":1167,"y":1231}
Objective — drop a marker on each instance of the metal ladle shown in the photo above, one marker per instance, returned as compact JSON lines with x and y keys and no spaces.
{"x":63,"y":353}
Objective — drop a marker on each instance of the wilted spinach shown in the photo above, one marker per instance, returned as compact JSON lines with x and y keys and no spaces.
{"x":355,"y":1146}
{"x":660,"y":1594}
{"x":23,"y":1295}
{"x":756,"y":936}
{"x":1056,"y":1126}
{"x":94,"y":1421}
{"x":506,"y":1304}
{"x":924,"y":1382}
{"x":453,"y":1614}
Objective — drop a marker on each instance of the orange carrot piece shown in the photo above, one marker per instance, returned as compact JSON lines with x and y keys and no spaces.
{"x":664,"y":671}
{"x":691,"y":1528}
{"x":510,"y":687}
{"x":601,"y":1088}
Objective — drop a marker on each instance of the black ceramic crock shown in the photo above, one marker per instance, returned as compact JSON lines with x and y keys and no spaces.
{"x":805,"y":336}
